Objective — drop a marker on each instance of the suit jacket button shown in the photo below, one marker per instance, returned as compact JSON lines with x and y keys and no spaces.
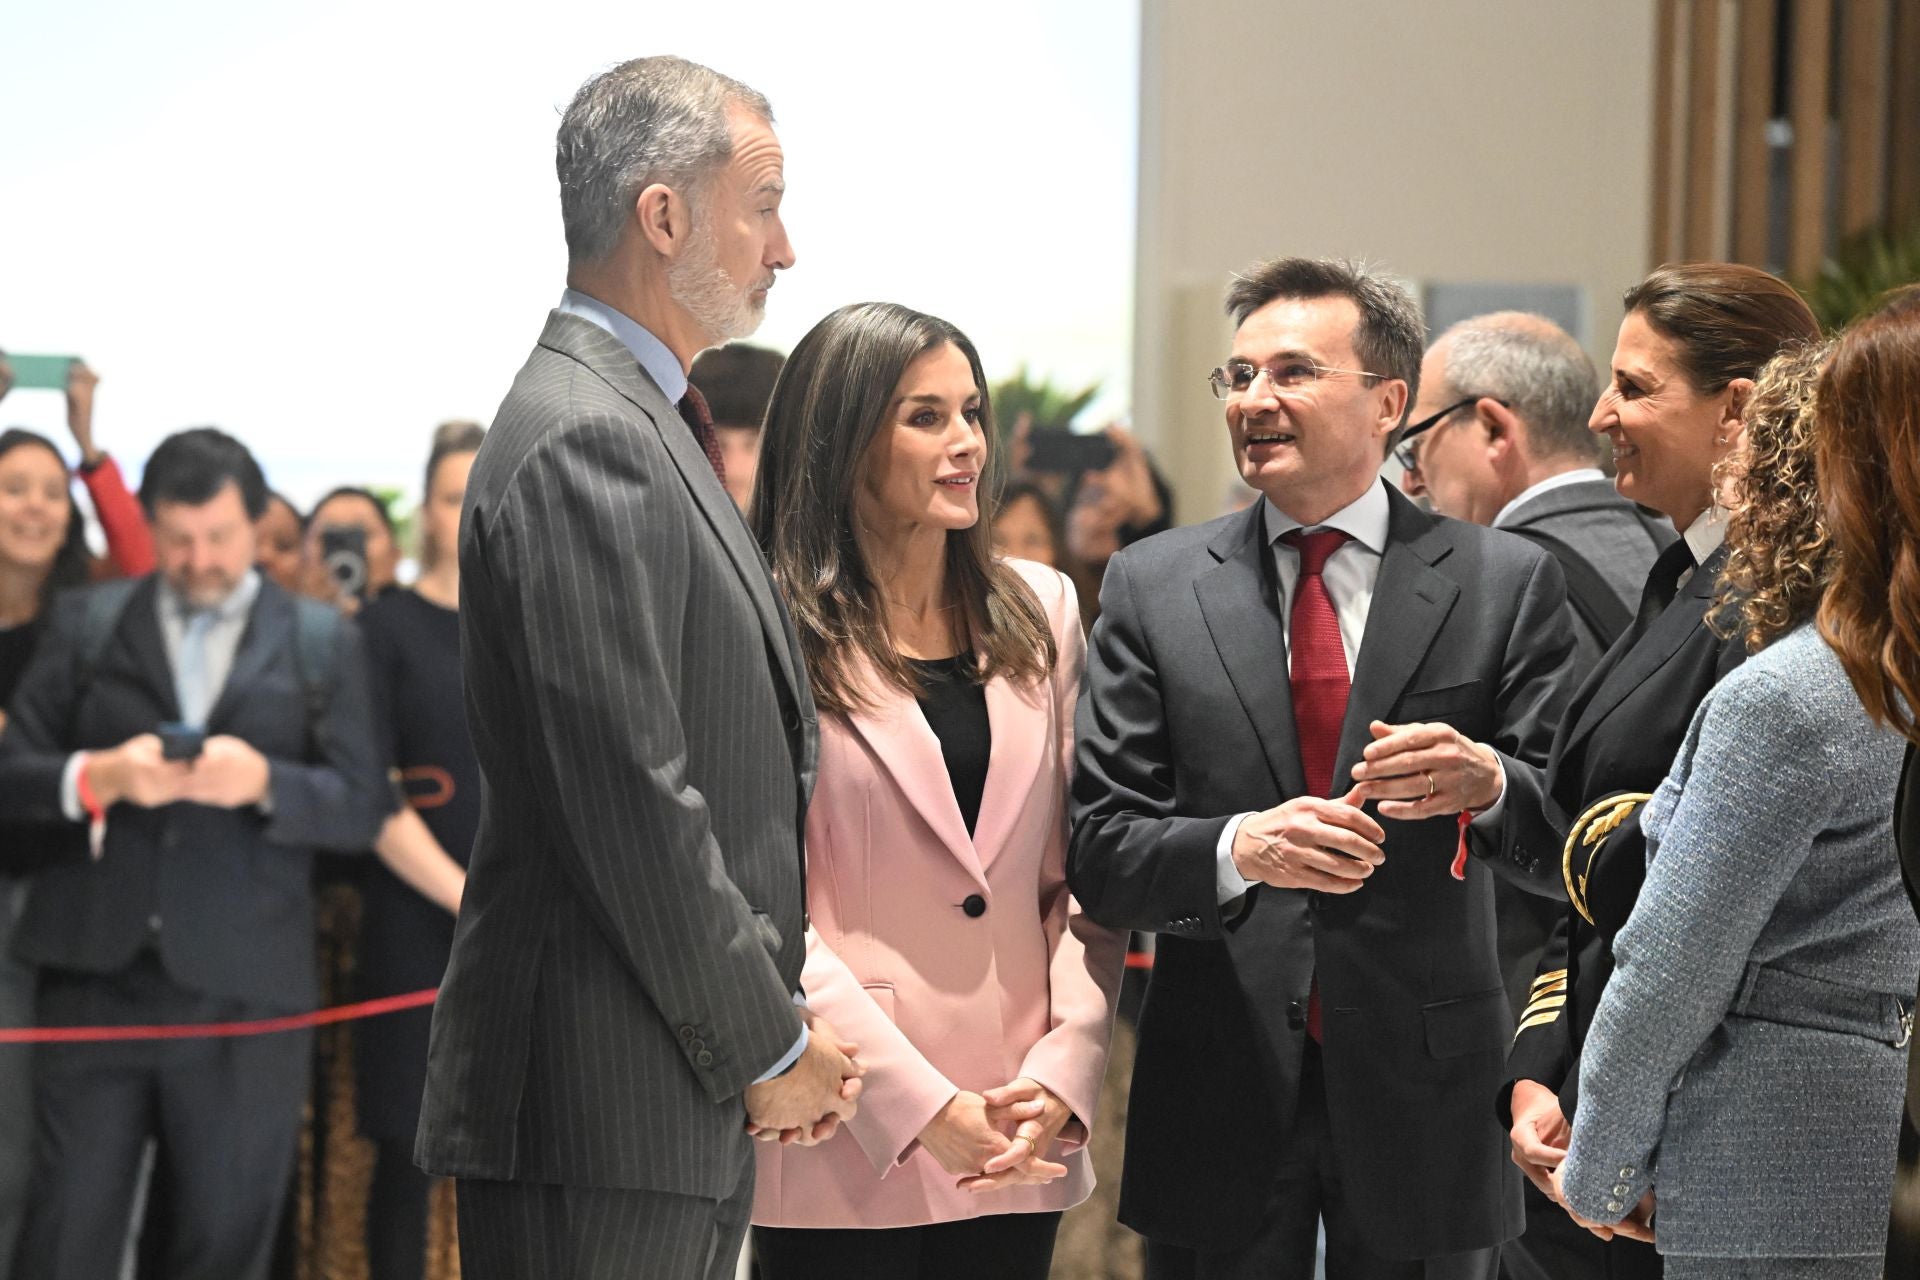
{"x":686,"y":1033}
{"x":704,"y":1058}
{"x":1614,"y":1206}
{"x":1296,"y":1016}
{"x":1626,"y":1172}
{"x":699,"y":1046}
{"x":975,"y":905}
{"x":153,"y":922}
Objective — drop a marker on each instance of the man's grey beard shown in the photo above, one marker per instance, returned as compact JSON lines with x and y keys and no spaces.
{"x":699,"y":283}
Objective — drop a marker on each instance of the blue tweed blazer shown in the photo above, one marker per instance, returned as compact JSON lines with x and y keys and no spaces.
{"x":1743,"y":1061}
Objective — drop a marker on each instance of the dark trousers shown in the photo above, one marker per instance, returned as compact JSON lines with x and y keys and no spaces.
{"x":1555,"y":1247}
{"x":397,"y":1207}
{"x":16,"y":1077}
{"x":226,"y":1114}
{"x":522,"y":1230}
{"x":1006,"y":1246}
{"x":1307,"y":1194}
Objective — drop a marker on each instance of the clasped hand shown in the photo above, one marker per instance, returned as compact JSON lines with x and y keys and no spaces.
{"x":805,"y":1105}
{"x":1540,"y":1137}
{"x":999,"y":1138}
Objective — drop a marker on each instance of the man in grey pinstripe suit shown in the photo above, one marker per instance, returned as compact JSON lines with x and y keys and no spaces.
{"x":620,"y":1007}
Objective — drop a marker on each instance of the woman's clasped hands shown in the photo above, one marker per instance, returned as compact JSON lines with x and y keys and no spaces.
{"x":999,"y":1138}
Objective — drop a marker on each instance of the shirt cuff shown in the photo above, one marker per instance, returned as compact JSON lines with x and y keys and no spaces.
{"x":1489,"y":817}
{"x":1227,"y":880}
{"x":70,"y":788}
{"x":792,"y":1055}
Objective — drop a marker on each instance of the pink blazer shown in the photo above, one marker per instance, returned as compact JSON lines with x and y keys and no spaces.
{"x":939,"y":1000}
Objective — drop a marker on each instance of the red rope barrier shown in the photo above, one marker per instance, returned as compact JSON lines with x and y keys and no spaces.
{"x":210,"y":1030}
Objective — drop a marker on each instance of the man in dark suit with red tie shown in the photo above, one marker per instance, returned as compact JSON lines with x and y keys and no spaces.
{"x":1326,"y":1014}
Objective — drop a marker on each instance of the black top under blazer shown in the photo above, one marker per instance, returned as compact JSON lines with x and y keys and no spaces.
{"x":223,"y":895}
{"x":1620,"y":736}
{"x":1186,"y":719}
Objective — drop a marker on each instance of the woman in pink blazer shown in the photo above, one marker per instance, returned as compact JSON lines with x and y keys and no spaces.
{"x":943,"y":939}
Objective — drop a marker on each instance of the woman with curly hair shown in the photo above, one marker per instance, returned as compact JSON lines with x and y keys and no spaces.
{"x":1741,"y":1083}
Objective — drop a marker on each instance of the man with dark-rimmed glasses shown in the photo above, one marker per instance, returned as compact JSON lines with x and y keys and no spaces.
{"x":1325,"y":1022}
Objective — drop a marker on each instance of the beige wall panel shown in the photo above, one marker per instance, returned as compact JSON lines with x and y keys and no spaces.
{"x":1499,"y":141}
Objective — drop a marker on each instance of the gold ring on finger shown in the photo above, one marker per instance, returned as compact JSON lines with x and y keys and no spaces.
{"x":1430,"y":787}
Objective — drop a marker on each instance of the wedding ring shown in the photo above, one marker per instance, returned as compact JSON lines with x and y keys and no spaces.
{"x":1430,"y":787}
{"x":1032,"y":1146}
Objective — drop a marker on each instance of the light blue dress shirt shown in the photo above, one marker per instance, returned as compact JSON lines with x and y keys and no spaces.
{"x":661,"y":364}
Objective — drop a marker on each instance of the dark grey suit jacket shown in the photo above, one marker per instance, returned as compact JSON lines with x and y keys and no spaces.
{"x":1621,"y":541}
{"x":632,"y":930}
{"x":1186,"y":720}
{"x":1615,"y":536}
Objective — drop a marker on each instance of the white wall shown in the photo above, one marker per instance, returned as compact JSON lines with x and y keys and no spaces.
{"x":1494,"y":141}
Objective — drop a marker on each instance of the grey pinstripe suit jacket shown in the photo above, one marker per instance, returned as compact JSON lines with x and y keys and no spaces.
{"x":631,"y":933}
{"x":1716,"y":1071}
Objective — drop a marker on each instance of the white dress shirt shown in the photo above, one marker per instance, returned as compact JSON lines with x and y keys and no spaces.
{"x":1579,"y":475}
{"x":1350,"y":574}
{"x":1704,"y":536}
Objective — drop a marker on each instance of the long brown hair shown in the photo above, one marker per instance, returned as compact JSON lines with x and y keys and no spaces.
{"x":1869,"y":466}
{"x":829,"y":406}
{"x":1778,"y":549}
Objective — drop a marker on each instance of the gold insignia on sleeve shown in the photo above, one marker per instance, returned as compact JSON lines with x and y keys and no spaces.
{"x":1545,"y":1000}
{"x":1589,"y":831}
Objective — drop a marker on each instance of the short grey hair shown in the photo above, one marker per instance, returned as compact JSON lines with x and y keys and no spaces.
{"x":650,"y":120}
{"x":1533,"y":364}
{"x":1391,"y":336}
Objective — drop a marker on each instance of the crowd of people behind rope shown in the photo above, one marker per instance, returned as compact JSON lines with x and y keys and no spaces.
{"x":1549,"y":824}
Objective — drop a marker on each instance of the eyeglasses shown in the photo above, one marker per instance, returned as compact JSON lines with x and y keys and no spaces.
{"x":1407,"y":456}
{"x":1236,"y":377}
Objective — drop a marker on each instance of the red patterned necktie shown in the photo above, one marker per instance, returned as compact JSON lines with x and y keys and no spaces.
{"x":693,"y":407}
{"x":1319,"y":679}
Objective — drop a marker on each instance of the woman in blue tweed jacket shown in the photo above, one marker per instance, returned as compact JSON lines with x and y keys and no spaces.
{"x":1741,"y":1086}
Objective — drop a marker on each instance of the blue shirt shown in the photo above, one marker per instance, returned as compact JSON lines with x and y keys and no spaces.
{"x":660,"y":363}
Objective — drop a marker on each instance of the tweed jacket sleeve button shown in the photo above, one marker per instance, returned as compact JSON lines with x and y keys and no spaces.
{"x":704,"y":1058}
{"x":1614,"y":1206}
{"x":1627,"y":1171}
{"x":1622,"y":1189}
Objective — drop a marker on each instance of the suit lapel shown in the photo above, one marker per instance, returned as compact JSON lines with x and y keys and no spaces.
{"x":1410,"y":601}
{"x":606,"y":356}
{"x":903,"y":745}
{"x":269,"y":634}
{"x":1021,"y":735}
{"x":1242,"y":611}
{"x":1678,"y":621}
{"x":139,"y":630}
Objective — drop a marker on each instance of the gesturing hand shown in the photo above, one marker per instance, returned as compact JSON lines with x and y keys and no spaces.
{"x":1038,"y":1115}
{"x":1540,"y":1134}
{"x":1310,"y":843}
{"x":1426,"y":770}
{"x":808,"y":1102}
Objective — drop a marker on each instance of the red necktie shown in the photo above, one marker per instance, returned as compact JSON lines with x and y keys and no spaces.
{"x":1319,"y":678}
{"x":693,"y":407}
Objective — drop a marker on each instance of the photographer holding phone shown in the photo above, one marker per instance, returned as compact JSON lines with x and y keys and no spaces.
{"x":353,"y":557}
{"x":181,"y":891}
